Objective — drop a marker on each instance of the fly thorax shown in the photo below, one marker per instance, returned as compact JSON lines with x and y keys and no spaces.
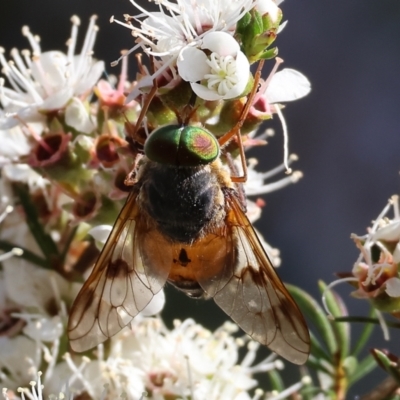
{"x":183,"y":201}
{"x":180,"y":191}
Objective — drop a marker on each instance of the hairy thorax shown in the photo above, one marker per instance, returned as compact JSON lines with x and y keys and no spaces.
{"x":184,"y":202}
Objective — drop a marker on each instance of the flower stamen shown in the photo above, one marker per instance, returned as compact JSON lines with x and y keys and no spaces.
{"x":223,"y":75}
{"x":285,"y":140}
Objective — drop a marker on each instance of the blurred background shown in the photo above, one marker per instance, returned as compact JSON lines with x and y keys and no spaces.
{"x":346,"y":132}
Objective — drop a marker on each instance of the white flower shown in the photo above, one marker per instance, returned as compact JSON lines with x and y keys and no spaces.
{"x":37,"y":391}
{"x":166,"y":33}
{"x":393,"y":287}
{"x":223,"y":74}
{"x":43,"y":329}
{"x":283,"y":86}
{"x":209,"y":15}
{"x":384,"y":235}
{"x":15,"y":229}
{"x":14,"y":143}
{"x":187,"y":361}
{"x":27,"y":285}
{"x":388,"y":230}
{"x":24,"y":173}
{"x":37,"y":342}
{"x":256,"y":181}
{"x":161,"y":34}
{"x":279,"y":87}
{"x":287,"y":85}
{"x":375,"y":272}
{"x":100,"y":233}
{"x":19,"y":359}
{"x":268,"y":7}
{"x":49,"y":80}
{"x":78,"y":117}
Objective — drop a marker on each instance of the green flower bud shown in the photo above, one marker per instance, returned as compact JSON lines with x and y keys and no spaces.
{"x":257,"y":32}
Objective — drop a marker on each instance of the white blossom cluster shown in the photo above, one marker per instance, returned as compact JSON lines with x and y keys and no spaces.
{"x":52,"y":141}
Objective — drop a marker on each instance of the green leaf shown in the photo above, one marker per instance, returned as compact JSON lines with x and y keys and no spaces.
{"x":267,"y":55}
{"x":315,"y":364}
{"x":364,"y":367}
{"x":350,"y":365}
{"x":317,"y":349}
{"x":276,"y":380}
{"x":367,"y":320}
{"x":317,"y":316}
{"x":337,"y":309}
{"x":257,"y":23}
{"x":364,"y":337}
{"x":312,"y":392}
{"x":387,"y":364}
{"x":243,"y":23}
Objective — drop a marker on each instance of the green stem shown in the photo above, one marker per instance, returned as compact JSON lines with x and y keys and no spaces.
{"x":26,"y":255}
{"x":366,"y":320}
{"x":43,"y":239}
{"x":365,"y":335}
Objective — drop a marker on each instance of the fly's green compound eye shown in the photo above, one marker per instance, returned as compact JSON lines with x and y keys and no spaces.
{"x":185,"y":146}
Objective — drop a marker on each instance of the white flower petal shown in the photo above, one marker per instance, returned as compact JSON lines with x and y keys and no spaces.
{"x":287,"y":85}
{"x":146,"y":81}
{"x":192,"y":64}
{"x":57,"y":100}
{"x":388,"y":232}
{"x":282,"y":27}
{"x":161,"y":23}
{"x":27,"y":114}
{"x":62,"y":373}
{"x":236,"y":91}
{"x":100,"y":232}
{"x":393,"y":287}
{"x":253,"y":211}
{"x":268,"y":6}
{"x":155,"y":306}
{"x":44,"y":329}
{"x":168,"y":32}
{"x":24,"y":173}
{"x":396,"y":254}
{"x":14,"y":143}
{"x":77,"y":116}
{"x":241,"y":76}
{"x":26,"y":284}
{"x":220,"y":42}
{"x":19,"y":368}
{"x":50,"y":79}
{"x":50,"y":70}
{"x":86,"y":83}
{"x":205,"y":93}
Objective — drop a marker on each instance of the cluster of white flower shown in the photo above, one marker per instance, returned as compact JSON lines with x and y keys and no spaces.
{"x":185,"y":362}
{"x":198,"y":39}
{"x":375,"y":273}
{"x":62,"y":130}
{"x":376,"y":267}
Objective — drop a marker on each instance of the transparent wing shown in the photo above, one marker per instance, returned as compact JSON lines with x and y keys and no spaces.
{"x":246,"y":286}
{"x":128,"y":273}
